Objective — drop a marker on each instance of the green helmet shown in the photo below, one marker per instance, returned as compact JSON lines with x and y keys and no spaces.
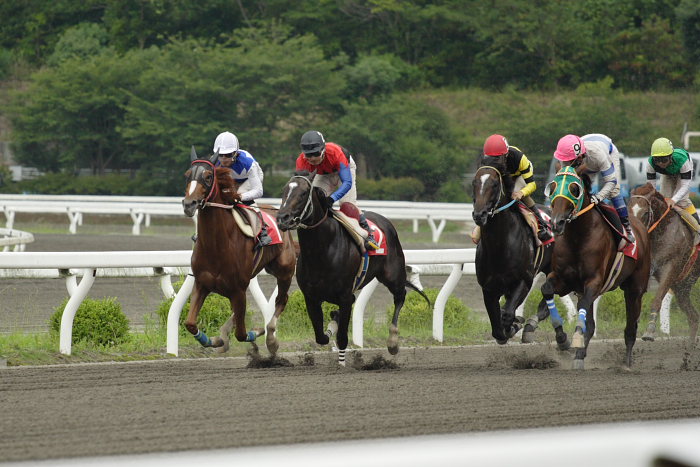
{"x":661,"y":147}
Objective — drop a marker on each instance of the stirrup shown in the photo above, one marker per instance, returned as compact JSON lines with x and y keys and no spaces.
{"x":369,"y":244}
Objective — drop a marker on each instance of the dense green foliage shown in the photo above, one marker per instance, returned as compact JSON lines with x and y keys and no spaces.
{"x":100,"y":322}
{"x":132,"y":84}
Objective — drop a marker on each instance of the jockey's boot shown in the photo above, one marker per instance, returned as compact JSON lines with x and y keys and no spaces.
{"x":628,"y":228}
{"x":264,"y":238}
{"x":194,"y":238}
{"x":369,"y":241}
{"x":543,"y":233}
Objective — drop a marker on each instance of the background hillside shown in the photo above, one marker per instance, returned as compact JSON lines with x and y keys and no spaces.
{"x":120,"y":89}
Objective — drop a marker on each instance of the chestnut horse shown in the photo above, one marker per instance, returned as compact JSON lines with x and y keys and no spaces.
{"x":672,"y":243}
{"x":584,"y":257}
{"x":224,"y":259}
{"x":329,"y":261}
{"x":507,"y":257}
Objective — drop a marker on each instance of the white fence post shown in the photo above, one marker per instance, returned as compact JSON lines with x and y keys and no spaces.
{"x":66,"y":337}
{"x":441,"y":301}
{"x":173,"y":326}
{"x":358,"y":312}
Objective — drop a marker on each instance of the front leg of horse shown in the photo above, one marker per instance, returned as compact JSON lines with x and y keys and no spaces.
{"x":585,"y":327}
{"x":313,"y":309}
{"x":196,"y":300}
{"x":493,"y":308}
{"x":271,"y":341}
{"x":343,"y":320}
{"x":393,"y":342}
{"x":668,"y":275}
{"x":532,"y":323}
{"x":512,"y":324}
{"x":238,"y":305}
{"x":548,"y":289}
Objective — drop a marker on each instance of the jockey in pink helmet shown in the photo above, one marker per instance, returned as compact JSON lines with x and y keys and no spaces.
{"x":600,"y":156}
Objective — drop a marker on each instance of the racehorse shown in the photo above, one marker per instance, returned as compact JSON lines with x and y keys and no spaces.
{"x":586,"y":260}
{"x":330,"y":261}
{"x":224,"y":259}
{"x":673,"y":258}
{"x":507,"y":257}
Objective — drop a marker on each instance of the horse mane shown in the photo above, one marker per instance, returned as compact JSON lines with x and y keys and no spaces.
{"x":644,"y":190}
{"x":227,"y":185}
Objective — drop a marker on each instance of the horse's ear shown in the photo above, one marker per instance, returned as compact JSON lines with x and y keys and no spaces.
{"x":193,"y":154}
{"x":214,"y":157}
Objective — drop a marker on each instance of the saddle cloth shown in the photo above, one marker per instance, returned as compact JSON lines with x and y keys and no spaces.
{"x":532,"y":222}
{"x":358,"y":234}
{"x":249,"y":222}
{"x":613,"y":220}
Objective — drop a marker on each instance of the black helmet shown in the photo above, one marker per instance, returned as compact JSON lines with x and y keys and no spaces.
{"x":312,"y":142}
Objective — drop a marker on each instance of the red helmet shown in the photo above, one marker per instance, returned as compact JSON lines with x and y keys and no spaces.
{"x":496,"y":145}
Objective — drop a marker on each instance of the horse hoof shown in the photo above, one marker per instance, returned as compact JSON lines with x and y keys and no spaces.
{"x":272,"y":346}
{"x":566,"y":345}
{"x":393,"y":349}
{"x":577,"y":364}
{"x":217,"y":342}
{"x":648,"y":337}
{"x":528,"y":337}
{"x":501,"y":341}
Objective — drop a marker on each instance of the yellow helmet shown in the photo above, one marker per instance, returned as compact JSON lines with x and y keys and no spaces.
{"x":661,"y":147}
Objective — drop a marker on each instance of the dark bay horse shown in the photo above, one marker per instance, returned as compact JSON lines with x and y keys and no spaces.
{"x":584,"y":260}
{"x":329,"y":261}
{"x":672,"y":243}
{"x":507,"y":257}
{"x":224,"y":260}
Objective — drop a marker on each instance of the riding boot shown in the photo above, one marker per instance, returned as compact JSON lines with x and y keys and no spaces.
{"x":628,"y":228}
{"x":696,"y":237}
{"x":264,"y":238}
{"x":543,"y":232}
{"x":369,"y":241}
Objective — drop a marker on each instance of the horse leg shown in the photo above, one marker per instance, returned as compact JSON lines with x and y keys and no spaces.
{"x":533,"y":322}
{"x":343,"y":326}
{"x":222,"y":341}
{"x":313,"y":309}
{"x":399,"y":294}
{"x":238,"y":302}
{"x":683,"y":297}
{"x":511,"y":326}
{"x":585,"y":327}
{"x":664,"y":285}
{"x":548,"y":289}
{"x":633,"y":306}
{"x":271,"y":341}
{"x":493,"y":307}
{"x":196,"y":300}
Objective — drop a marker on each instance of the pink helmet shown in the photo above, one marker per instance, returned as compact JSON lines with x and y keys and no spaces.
{"x":569,"y":148}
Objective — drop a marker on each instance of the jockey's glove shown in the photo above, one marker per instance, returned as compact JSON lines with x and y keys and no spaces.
{"x":595,"y":199}
{"x":329,"y":202}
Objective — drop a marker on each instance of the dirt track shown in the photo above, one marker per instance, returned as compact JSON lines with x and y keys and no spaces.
{"x":78,"y":410}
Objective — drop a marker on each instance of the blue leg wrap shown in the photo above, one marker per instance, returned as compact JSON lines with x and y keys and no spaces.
{"x":251,"y":336}
{"x":620,"y":206}
{"x":202,"y":339}
{"x":582,"y":319}
{"x":554,"y":313}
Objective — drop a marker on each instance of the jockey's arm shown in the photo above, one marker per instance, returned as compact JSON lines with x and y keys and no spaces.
{"x":610,"y":181}
{"x":346,"y":182}
{"x":651,"y":175}
{"x":526,"y":171}
{"x":256,"y":187}
{"x":683,"y":187}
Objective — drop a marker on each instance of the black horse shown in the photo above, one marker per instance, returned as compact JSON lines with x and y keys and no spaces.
{"x":329,"y":261}
{"x":507,"y":257}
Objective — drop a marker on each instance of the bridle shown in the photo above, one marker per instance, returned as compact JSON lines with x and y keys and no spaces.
{"x":308,"y":211}
{"x":651,"y":225}
{"x":496,"y":209}
{"x":198,"y":175}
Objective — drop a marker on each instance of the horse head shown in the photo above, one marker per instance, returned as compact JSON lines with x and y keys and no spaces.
{"x":569,"y":193}
{"x":646,"y":204}
{"x":297,"y":204}
{"x":488,"y":189}
{"x":201,"y":183}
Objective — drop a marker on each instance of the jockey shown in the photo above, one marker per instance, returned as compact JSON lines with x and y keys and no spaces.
{"x":676,"y":169}
{"x":246,"y":171}
{"x":335,"y":174}
{"x":518,"y":167}
{"x":599,"y":155}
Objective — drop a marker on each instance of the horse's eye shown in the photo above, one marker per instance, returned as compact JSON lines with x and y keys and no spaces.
{"x":549,"y":189}
{"x":575,"y":189}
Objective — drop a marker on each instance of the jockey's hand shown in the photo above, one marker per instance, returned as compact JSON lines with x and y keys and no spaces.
{"x":670,"y":203}
{"x":236,"y":198}
{"x":595,"y":199}
{"x":517,"y":195}
{"x":329,"y":202}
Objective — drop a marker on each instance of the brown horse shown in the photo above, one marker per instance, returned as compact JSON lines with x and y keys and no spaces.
{"x":672,"y":243}
{"x":224,"y":259}
{"x":584,"y":260}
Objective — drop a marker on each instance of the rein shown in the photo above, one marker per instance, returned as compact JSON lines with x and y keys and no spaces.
{"x":651,"y":213}
{"x":213,"y":190}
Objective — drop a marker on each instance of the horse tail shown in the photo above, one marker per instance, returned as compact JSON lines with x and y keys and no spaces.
{"x":410,"y":285}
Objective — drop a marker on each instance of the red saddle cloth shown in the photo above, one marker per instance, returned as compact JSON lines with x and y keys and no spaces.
{"x":375,"y":232}
{"x":272,"y":230}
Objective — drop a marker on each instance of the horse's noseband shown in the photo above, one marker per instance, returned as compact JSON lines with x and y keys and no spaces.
{"x":496,"y":209}
{"x":198,"y":176}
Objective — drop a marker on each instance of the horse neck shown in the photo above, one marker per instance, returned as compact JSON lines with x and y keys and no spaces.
{"x":318,"y":238}
{"x":216,"y":225}
{"x":503,"y":223}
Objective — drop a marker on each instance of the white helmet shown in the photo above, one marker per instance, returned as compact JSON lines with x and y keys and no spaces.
{"x":226,"y":143}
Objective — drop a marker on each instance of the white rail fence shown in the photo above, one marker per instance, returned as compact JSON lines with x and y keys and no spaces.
{"x":451,"y":262}
{"x":16,"y":239}
{"x":142,"y":208}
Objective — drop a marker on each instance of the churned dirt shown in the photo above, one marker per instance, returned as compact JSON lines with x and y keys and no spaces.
{"x":171,"y":405}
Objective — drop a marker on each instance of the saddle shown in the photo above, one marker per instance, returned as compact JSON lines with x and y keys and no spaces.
{"x":251,"y":223}
{"x":348,"y":216}
{"x":532,"y":222}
